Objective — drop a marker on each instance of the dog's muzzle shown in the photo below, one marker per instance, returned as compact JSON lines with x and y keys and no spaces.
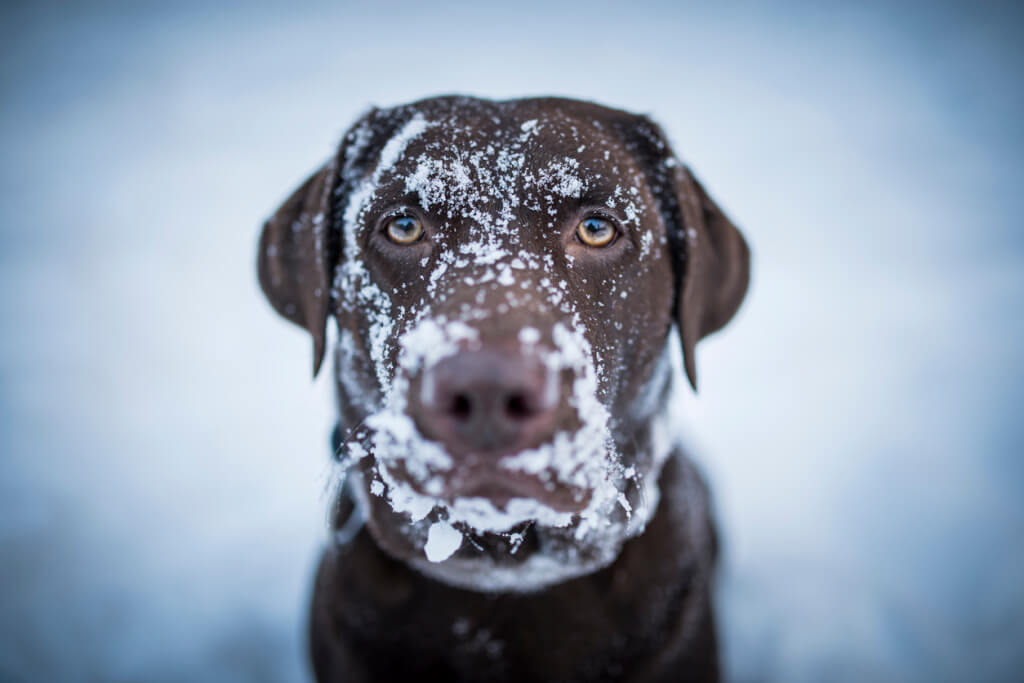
{"x":484,"y":404}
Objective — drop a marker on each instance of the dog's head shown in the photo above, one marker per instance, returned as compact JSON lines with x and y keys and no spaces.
{"x":505,"y":277}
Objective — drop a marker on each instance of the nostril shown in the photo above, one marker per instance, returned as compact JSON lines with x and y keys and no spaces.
{"x":518,"y":407}
{"x":461,"y":407}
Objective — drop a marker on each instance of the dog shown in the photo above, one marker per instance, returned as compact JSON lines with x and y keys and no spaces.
{"x":508,"y":279}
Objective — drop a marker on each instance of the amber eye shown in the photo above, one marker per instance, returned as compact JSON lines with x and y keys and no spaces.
{"x":404,"y":230}
{"x":596,"y":232}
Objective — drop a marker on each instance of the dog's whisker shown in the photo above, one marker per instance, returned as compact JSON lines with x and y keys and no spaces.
{"x":352,"y":450}
{"x":636,"y":479}
{"x":342,"y":442}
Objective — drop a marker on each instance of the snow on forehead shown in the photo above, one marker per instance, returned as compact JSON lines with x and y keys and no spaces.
{"x":499,"y":178}
{"x":486,"y":170}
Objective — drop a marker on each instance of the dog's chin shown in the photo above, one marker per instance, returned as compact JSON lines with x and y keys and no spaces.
{"x":525,"y":561}
{"x":527,"y":557}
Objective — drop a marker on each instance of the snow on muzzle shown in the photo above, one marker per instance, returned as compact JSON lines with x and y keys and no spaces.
{"x":494,"y":434}
{"x":491,"y":401}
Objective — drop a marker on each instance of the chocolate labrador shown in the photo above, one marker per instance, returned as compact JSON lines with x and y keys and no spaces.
{"x":514,"y":504}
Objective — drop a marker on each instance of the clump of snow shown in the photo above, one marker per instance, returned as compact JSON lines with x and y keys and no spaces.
{"x":442,"y":541}
{"x":562,"y":177}
{"x":529,"y":336}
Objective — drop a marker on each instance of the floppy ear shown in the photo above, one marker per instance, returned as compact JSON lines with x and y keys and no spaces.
{"x":297,"y":254}
{"x":301,"y":244}
{"x":710,"y":259}
{"x":715,"y":267}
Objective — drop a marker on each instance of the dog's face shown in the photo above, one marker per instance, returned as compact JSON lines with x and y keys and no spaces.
{"x":505,"y":276}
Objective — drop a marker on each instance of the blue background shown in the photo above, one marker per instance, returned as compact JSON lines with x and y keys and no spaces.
{"x":164,"y":454}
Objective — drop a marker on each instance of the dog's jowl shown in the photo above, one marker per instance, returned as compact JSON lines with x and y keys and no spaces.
{"x":512,"y":501}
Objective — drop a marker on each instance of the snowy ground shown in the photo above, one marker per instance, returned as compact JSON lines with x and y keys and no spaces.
{"x":163,"y":450}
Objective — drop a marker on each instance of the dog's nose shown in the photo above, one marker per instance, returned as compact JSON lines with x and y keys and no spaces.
{"x":487,"y":401}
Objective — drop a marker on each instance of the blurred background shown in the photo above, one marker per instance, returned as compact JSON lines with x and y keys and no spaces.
{"x":164,"y":452}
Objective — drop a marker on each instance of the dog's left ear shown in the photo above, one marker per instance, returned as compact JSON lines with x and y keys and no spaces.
{"x":297,"y":254}
{"x":710,"y":258}
{"x":715,"y":267}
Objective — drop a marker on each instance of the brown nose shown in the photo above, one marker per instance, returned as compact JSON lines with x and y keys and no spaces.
{"x":492,"y":401}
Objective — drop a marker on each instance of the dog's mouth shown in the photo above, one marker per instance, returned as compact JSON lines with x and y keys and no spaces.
{"x":483,"y":478}
{"x":558,"y":484}
{"x":469,"y":511}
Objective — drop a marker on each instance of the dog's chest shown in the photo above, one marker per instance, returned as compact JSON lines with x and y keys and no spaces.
{"x":407,"y":626}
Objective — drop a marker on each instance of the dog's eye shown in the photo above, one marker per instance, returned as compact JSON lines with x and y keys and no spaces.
{"x":596,"y":232}
{"x":404,"y":230}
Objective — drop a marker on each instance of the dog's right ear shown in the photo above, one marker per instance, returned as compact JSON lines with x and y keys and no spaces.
{"x":301,"y":244}
{"x":298,"y":251}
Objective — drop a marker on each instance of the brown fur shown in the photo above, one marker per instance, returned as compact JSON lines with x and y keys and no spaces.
{"x":645,"y":617}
